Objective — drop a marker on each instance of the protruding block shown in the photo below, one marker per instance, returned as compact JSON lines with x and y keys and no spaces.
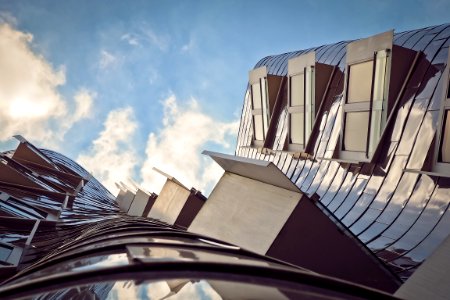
{"x":170,"y":202}
{"x":139,"y":203}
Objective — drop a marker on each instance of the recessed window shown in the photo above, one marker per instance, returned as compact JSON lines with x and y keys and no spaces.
{"x":307,"y":83}
{"x":444,"y":151}
{"x":5,"y":252}
{"x":360,"y":82}
{"x":301,"y":107}
{"x":442,"y":162}
{"x":260,"y":109}
{"x":366,"y":96}
{"x":263,"y":92}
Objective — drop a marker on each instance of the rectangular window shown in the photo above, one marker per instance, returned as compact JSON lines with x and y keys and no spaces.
{"x":360,"y":82}
{"x":444,"y":151}
{"x":5,"y":252}
{"x":260,"y":109}
{"x":365,"y":108}
{"x":448,"y":90}
{"x":441,"y":162}
{"x":444,"y":147}
{"x":301,"y":107}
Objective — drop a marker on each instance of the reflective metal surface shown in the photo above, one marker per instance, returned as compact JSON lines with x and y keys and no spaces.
{"x":400,"y":216}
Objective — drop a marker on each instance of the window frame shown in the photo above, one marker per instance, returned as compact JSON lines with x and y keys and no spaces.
{"x":302,"y":65}
{"x":443,"y":168}
{"x":271,"y":87}
{"x":259,"y":76}
{"x":359,"y":52}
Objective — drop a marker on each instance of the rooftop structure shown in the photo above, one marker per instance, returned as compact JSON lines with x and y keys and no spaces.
{"x":338,"y":188}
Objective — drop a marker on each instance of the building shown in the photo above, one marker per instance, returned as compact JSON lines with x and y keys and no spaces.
{"x":64,"y":236}
{"x":338,"y":188}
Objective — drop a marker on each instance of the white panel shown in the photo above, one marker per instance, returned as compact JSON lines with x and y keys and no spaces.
{"x":356,"y":127}
{"x":169,"y":203}
{"x":139,"y":202}
{"x":260,"y":170}
{"x":124,"y":200}
{"x":360,"y":82}
{"x":296,"y":127}
{"x":245,"y":212}
{"x":297,"y":90}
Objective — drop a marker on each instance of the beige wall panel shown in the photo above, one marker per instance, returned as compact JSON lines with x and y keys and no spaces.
{"x":245,"y":212}
{"x":169,"y":203}
{"x":125,"y":201}
{"x":139,"y":202}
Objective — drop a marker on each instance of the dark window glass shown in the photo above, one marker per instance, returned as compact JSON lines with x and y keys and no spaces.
{"x":445,"y":145}
{"x":5,"y":251}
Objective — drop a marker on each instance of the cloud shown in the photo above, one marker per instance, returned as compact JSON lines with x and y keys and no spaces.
{"x":30,"y":103}
{"x":106,"y":59}
{"x":6,"y":17}
{"x":131,"y":39}
{"x":159,"y":40}
{"x":144,"y":35}
{"x":112,"y":156}
{"x":189,"y":46}
{"x":176,"y":148}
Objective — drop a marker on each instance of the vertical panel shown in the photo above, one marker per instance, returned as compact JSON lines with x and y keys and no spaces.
{"x":296,"y":125}
{"x":360,"y":82}
{"x":356,"y":128}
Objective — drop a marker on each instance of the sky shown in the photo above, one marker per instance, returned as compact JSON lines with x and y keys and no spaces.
{"x":125,"y":86}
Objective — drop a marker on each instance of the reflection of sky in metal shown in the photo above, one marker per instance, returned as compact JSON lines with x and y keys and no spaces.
{"x":152,"y":254}
{"x":173,"y":290}
{"x":112,"y":260}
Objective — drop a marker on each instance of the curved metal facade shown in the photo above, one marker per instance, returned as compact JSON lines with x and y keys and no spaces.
{"x":400,"y":215}
{"x":63,"y":236}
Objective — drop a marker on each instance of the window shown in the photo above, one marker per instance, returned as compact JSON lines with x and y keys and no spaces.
{"x":442,"y":157}
{"x":308,"y":81}
{"x":301,"y":107}
{"x":259,"y":109}
{"x":264,"y":89}
{"x":5,"y":252}
{"x":366,"y":96}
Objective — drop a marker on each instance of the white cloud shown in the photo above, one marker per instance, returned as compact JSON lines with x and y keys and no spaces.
{"x":189,"y":46}
{"x":6,"y":17}
{"x":112,"y":156}
{"x":106,"y":59}
{"x":159,"y":40}
{"x":176,"y":148}
{"x":29,"y":98}
{"x":131,"y":39}
{"x":145,"y":36}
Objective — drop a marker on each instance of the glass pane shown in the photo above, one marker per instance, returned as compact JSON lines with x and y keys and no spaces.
{"x":5,"y":251}
{"x":445,"y":146}
{"x":296,"y":128}
{"x":380,"y":76}
{"x":258,"y":127}
{"x":265,"y":107}
{"x":360,"y":81}
{"x":448,"y":90}
{"x":356,"y":127}
{"x":297,"y":90}
{"x":256,"y":95}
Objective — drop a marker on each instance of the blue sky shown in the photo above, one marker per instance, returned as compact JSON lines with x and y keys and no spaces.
{"x":121,"y":86}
